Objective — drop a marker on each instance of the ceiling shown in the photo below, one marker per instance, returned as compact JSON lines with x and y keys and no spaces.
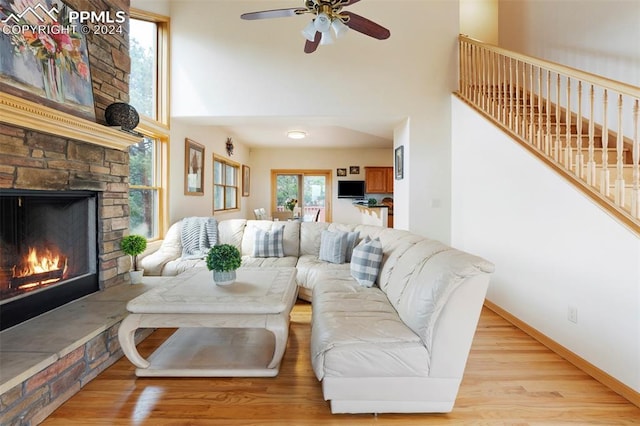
{"x":325,"y":132}
{"x":349,"y":127}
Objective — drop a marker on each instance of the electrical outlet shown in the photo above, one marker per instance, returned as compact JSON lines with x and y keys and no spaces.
{"x":572,"y":314}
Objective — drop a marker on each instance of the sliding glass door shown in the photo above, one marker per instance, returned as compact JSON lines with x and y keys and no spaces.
{"x":311,"y":189}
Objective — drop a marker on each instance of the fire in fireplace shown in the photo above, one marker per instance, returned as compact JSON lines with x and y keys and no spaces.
{"x":48,"y":251}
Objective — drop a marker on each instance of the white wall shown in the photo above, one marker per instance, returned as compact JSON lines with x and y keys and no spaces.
{"x":263,"y":160}
{"x":479,"y":19}
{"x":214,"y":140}
{"x":552,"y":247}
{"x":598,"y":36}
{"x":161,"y":7}
{"x":227,"y":67}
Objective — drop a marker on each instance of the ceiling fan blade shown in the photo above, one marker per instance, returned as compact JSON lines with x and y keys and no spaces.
{"x":348,"y":2}
{"x":276,"y":13}
{"x":367,"y":27}
{"x":311,"y":46}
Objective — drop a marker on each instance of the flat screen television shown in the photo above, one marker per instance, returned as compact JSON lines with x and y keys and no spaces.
{"x":350,"y":189}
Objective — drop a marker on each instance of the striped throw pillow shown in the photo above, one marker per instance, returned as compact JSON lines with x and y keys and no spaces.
{"x":333,"y":246}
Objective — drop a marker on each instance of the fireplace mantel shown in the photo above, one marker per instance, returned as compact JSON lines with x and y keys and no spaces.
{"x":23,"y":113}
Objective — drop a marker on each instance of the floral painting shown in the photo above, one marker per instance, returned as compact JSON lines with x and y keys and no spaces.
{"x":44,"y":57}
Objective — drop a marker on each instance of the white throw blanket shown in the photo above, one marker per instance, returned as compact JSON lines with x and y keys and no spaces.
{"x":198,"y":235}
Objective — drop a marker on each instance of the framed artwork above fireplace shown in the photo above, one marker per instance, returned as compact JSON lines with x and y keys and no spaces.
{"x":50,"y":67}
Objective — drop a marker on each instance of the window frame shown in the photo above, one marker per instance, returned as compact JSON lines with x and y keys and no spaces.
{"x":158,"y":129}
{"x":162,"y":70}
{"x":301,"y":173}
{"x":238,"y":186}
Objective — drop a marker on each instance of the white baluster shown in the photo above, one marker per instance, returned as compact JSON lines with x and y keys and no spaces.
{"x":579,"y":167}
{"x":619,"y":188}
{"x":635,"y":194}
{"x":557,"y":141}
{"x":605,"y":178}
{"x":547,"y":139}
{"x":540,"y":117}
{"x":591,"y":164}
{"x":568,"y":150}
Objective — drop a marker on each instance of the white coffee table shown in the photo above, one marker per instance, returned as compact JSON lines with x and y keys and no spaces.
{"x":224,"y":331}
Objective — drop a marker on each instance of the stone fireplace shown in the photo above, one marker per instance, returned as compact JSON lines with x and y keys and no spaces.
{"x":55,"y":177}
{"x":48,"y":251}
{"x":45,"y":151}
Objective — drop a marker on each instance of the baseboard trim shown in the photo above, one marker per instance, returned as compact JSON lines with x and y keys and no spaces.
{"x":593,"y":371}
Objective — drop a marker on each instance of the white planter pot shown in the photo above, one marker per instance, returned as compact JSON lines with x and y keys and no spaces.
{"x":224,"y":277}
{"x":136,"y":276}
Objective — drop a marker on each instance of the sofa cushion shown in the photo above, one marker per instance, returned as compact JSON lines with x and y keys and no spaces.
{"x":291,"y":237}
{"x":310,"y":233}
{"x":333,"y":246}
{"x":268,"y":243}
{"x":260,"y":262}
{"x":365,"y":261}
{"x":230,"y":231}
{"x":310,"y":269}
{"x":357,"y":333}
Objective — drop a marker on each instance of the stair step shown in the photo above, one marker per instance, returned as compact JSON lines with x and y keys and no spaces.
{"x":612,"y":157}
{"x":597,"y":141}
{"x":627,"y":173}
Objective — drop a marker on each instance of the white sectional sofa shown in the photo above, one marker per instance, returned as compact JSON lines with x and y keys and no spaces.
{"x":398,"y":346}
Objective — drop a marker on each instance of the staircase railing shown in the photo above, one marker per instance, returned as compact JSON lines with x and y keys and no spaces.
{"x":583,"y":125}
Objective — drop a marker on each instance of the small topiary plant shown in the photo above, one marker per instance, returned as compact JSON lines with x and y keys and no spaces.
{"x":133,"y":245}
{"x":224,"y":257}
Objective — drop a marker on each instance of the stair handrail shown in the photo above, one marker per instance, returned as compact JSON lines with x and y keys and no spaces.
{"x":527,"y":97}
{"x":598,"y":80}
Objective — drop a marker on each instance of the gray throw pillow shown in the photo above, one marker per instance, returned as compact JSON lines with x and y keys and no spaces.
{"x":269,"y":243}
{"x":352,"y":238}
{"x":333,"y":246}
{"x":365,"y":261}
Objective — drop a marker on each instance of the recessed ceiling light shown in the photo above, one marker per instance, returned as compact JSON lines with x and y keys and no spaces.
{"x":296,"y":134}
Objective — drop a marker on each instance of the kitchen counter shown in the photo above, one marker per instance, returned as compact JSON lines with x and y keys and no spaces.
{"x":374,"y":215}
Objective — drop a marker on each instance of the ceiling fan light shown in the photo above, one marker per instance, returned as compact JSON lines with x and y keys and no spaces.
{"x":309,"y":31}
{"x":327,"y":38}
{"x":322,"y":22}
{"x":296,"y":134}
{"x":339,"y":28}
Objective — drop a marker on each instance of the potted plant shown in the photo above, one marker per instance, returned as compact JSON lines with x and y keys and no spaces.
{"x":290,"y":204}
{"x":133,"y":245}
{"x":223,"y":260}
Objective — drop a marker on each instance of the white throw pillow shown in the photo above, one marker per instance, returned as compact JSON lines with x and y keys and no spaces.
{"x":365,"y":261}
{"x":269,"y":243}
{"x":333,"y":246}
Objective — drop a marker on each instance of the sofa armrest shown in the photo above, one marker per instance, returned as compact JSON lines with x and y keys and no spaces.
{"x":170,"y":249}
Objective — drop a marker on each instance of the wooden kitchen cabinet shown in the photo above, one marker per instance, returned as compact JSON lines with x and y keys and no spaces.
{"x":378,"y":180}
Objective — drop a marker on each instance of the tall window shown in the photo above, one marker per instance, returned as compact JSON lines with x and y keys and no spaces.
{"x":148,"y":88}
{"x":225,"y":184}
{"x":143,"y":48}
{"x":144,"y":187}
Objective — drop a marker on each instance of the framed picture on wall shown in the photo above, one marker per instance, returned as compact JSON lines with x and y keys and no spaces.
{"x":246,"y":176}
{"x":354,"y":170}
{"x":341,"y":172}
{"x":193,"y":168}
{"x":47,"y":68}
{"x":399,"y":162}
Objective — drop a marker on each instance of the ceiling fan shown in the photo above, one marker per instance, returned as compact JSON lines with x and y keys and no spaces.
{"x":328,"y":16}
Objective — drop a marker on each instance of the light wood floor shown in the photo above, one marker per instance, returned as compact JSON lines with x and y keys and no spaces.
{"x":510,"y":380}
